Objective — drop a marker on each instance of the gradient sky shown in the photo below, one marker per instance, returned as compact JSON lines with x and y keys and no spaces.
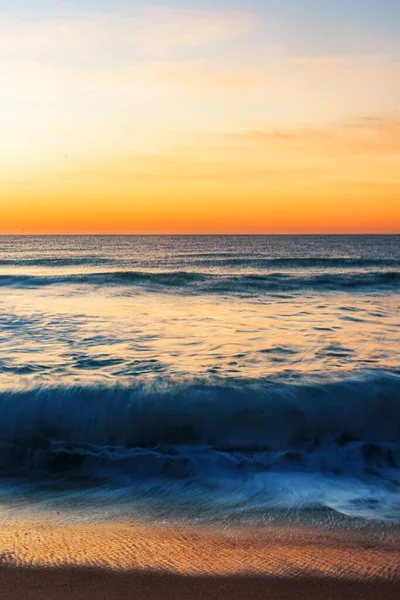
{"x":202,"y":116}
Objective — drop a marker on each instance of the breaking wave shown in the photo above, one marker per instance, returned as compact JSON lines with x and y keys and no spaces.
{"x":349,"y":424}
{"x":194,"y":282}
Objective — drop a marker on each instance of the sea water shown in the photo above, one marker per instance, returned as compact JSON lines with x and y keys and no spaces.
{"x":229,"y":379}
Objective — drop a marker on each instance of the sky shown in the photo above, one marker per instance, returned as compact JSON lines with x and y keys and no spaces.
{"x":219,"y":116}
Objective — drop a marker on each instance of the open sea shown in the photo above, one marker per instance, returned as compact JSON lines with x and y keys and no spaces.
{"x":208,"y":379}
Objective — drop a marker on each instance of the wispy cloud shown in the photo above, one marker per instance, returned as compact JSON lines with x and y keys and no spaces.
{"x":147,"y":32}
{"x":361,"y":152}
{"x":164,"y":28}
{"x":363,"y":135}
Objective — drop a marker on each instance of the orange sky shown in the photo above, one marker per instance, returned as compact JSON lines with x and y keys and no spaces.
{"x":163,"y":119}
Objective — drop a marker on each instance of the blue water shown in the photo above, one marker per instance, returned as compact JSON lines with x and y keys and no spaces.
{"x":209,"y":378}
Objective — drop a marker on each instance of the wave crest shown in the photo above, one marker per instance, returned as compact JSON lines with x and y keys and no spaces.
{"x":229,"y":417}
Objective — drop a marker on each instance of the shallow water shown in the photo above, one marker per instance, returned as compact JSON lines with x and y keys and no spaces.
{"x":210,"y":378}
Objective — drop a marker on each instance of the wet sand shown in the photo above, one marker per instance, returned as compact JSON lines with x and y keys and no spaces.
{"x":121,"y":561}
{"x":91,"y":584}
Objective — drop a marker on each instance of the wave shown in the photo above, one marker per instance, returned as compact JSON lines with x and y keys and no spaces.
{"x":112,"y":278}
{"x":183,"y":429}
{"x":60,"y":261}
{"x":294,"y":262}
{"x":206,"y":260}
{"x":195,"y":282}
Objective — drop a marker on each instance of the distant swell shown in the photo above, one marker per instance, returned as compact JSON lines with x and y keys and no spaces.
{"x":194,"y":282}
{"x":210,"y":260}
{"x":295,"y":263}
{"x":350,"y":425}
{"x":56,"y":261}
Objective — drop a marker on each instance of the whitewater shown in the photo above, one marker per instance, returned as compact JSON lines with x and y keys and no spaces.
{"x":210,"y":379}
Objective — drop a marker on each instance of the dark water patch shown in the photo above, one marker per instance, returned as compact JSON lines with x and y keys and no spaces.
{"x":335,"y":351}
{"x":95,"y":362}
{"x":352,"y":319}
{"x":22,"y":369}
{"x":279,"y":350}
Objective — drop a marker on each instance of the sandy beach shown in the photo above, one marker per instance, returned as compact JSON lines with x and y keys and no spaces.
{"x":124,"y":561}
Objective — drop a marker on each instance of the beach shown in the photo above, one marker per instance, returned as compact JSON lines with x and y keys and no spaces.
{"x":136,"y":561}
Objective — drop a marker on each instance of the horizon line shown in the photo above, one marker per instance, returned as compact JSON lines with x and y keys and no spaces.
{"x":315,"y":233}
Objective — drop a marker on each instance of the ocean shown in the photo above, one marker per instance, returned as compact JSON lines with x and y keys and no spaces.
{"x":206,"y":379}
